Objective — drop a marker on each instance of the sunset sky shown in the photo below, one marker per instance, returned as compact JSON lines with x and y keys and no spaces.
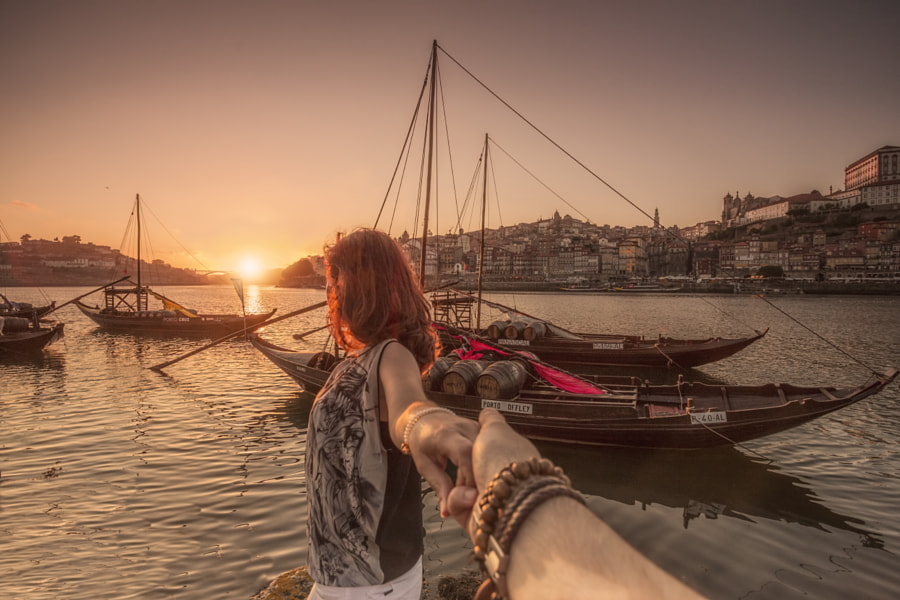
{"x":260,"y":129}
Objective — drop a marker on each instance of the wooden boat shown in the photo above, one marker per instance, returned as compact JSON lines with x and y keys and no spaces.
{"x":126,"y":309}
{"x":124,"y":317}
{"x":583,"y":288}
{"x":611,"y":411}
{"x":559,"y":346}
{"x":646,"y":288}
{"x":19,"y":336}
{"x":25,"y":310}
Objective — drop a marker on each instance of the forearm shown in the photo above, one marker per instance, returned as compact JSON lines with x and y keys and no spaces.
{"x":564,"y":551}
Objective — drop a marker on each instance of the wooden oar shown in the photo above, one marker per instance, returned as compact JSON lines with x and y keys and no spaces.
{"x":105,"y":285}
{"x":300,"y":336}
{"x":158,"y":368}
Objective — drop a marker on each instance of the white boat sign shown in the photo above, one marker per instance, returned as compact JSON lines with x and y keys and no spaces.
{"x":706,"y":418}
{"x":520,"y":408}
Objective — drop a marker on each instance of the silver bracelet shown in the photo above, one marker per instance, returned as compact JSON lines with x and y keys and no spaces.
{"x":404,"y":447}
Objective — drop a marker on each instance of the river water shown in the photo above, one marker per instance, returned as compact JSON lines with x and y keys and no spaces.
{"x":119,"y":482}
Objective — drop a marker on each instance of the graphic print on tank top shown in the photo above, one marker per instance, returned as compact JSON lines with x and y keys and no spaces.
{"x":346,"y":477}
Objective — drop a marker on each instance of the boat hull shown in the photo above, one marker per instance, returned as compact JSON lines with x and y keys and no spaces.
{"x":31,"y":341}
{"x":167,"y":322}
{"x":680,"y":416}
{"x":625,"y":351}
{"x":584,"y":423}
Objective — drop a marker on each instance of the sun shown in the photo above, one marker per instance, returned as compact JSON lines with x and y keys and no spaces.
{"x":249,"y":268}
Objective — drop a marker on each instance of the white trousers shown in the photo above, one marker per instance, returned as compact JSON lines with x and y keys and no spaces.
{"x":406,"y":587}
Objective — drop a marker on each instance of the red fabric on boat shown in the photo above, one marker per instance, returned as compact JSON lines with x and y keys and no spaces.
{"x":558,"y":379}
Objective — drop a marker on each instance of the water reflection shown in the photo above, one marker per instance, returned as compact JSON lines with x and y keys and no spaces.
{"x":43,"y":375}
{"x":296,"y":409}
{"x":718,"y":482}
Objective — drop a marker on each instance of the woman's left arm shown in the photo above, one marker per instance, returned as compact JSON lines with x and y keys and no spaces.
{"x":436,"y":436}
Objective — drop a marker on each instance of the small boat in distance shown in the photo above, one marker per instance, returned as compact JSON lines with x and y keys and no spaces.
{"x":646,"y":288}
{"x":126,"y":309}
{"x":20,"y":336}
{"x":25,"y":310}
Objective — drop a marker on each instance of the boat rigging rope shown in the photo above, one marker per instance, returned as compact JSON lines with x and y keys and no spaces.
{"x":406,"y":145}
{"x":177,"y":241}
{"x":729,"y":315}
{"x":536,"y":178}
{"x":669,"y":358}
{"x":738,"y":444}
{"x":547,"y":137}
{"x":823,"y":338}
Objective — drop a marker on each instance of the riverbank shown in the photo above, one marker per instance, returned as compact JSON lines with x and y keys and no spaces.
{"x":740,"y":286}
{"x":735,"y":286}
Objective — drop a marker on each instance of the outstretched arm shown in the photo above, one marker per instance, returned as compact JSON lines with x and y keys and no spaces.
{"x":436,"y":436}
{"x":563,"y":550}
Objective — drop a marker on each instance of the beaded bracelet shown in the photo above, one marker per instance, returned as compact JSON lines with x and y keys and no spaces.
{"x":497,"y":561}
{"x":404,"y":447}
{"x":511,"y":496}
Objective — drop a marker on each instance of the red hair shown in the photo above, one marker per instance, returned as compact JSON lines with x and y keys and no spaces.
{"x":374,"y":296}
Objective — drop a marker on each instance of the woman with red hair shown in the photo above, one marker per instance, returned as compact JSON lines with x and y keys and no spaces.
{"x":372,"y":432}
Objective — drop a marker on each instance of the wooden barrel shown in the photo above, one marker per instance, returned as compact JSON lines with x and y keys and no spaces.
{"x":515,"y":330}
{"x":495,"y":329}
{"x":535,"y":330}
{"x":501,"y":380}
{"x":13,"y":324}
{"x":438,"y":370}
{"x":462,"y":376}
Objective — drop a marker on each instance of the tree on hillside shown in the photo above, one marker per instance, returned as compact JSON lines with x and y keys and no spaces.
{"x":301,"y":274}
{"x":768,"y":271}
{"x":301,"y":268}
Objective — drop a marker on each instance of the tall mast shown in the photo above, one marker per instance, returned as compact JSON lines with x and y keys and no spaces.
{"x":481,"y":251}
{"x":431,"y":129}
{"x":137,"y":203}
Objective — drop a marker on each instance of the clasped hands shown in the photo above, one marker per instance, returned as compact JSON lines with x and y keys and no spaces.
{"x":478,"y":451}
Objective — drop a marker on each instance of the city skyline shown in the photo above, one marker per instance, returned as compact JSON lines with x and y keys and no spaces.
{"x":258,"y":131}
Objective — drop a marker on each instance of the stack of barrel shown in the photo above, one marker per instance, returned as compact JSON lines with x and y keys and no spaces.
{"x":494,"y":380}
{"x":517,"y":330}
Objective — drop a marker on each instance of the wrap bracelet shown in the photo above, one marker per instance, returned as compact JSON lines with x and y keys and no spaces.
{"x":404,"y":447}
{"x":510,"y":498}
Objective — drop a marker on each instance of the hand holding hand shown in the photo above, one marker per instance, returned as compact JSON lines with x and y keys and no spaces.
{"x":436,"y":438}
{"x":496,"y":446}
